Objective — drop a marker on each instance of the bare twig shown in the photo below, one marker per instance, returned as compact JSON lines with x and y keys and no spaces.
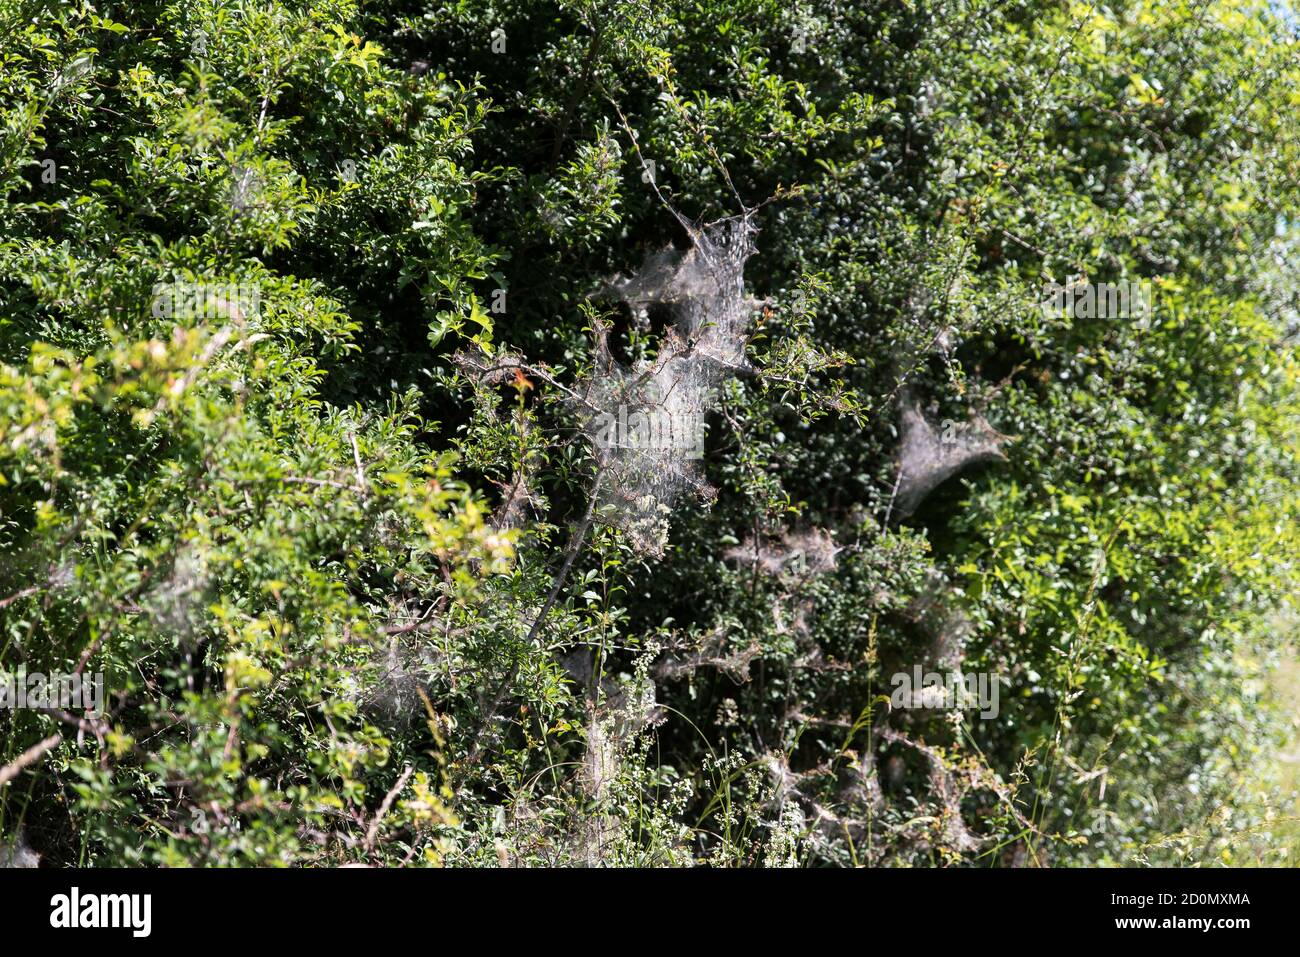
{"x":372,"y":833}
{"x":16,"y":596}
{"x":28,"y":757}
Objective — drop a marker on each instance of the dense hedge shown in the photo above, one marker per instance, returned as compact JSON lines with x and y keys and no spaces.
{"x":362,"y":581}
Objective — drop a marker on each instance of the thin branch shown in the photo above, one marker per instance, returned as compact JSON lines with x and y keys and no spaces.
{"x":575,"y":546}
{"x":372,"y":833}
{"x":18,"y":595}
{"x":28,"y":757}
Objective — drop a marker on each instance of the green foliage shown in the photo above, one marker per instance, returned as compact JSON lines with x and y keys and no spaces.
{"x":361,"y":587}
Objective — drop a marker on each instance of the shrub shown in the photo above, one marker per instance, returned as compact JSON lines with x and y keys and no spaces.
{"x":307,"y":311}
